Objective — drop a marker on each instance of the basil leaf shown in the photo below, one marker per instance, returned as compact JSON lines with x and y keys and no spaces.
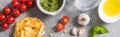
{"x":98,"y":29}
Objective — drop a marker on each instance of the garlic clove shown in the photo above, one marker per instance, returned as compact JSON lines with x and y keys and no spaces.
{"x":74,"y":31}
{"x":50,"y":35}
{"x":64,"y":31}
{"x":81,"y":31}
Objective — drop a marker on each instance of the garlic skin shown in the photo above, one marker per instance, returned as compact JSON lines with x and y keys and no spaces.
{"x":74,"y":31}
{"x":83,"y":19}
{"x":81,"y":31}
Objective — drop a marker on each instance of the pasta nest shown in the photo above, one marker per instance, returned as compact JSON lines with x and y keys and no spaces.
{"x":29,"y":27}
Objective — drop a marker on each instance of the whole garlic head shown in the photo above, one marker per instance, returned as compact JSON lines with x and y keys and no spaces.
{"x":83,"y":19}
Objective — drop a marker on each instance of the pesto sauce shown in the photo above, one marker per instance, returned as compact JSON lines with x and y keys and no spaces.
{"x":51,"y":5}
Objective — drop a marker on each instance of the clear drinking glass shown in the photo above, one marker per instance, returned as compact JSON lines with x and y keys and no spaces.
{"x":86,"y":5}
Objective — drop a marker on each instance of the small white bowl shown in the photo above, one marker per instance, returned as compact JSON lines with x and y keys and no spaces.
{"x":47,"y":12}
{"x":104,"y":17}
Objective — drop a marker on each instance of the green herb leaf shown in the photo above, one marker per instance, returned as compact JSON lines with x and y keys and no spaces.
{"x":98,"y":29}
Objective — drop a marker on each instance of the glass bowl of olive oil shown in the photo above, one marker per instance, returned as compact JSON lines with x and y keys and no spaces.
{"x":109,"y":11}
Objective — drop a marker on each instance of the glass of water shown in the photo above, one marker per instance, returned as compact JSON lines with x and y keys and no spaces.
{"x":86,"y":5}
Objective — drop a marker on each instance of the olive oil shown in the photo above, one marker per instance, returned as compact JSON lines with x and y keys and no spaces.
{"x":111,"y":8}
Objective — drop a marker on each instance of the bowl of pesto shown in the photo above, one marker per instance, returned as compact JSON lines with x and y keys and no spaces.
{"x":50,"y":7}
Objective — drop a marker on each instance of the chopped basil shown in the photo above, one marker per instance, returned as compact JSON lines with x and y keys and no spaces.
{"x":51,"y":5}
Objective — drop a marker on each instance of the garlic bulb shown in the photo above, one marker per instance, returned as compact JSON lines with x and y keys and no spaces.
{"x":83,"y":19}
{"x":74,"y":31}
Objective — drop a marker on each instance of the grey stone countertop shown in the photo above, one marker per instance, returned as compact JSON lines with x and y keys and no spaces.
{"x":51,"y":21}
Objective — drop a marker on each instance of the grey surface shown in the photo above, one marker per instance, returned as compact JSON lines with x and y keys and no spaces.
{"x":51,"y":21}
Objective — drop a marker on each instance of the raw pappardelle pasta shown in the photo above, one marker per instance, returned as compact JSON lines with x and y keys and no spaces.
{"x":29,"y":27}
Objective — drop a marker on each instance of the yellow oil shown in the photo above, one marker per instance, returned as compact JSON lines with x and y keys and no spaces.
{"x":111,"y":8}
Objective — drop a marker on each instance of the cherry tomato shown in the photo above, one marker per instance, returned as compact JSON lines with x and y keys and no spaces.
{"x":15,"y":0}
{"x":16,"y":12}
{"x":5,"y":25}
{"x":11,"y":19}
{"x":15,"y":4}
{"x":23,"y":7}
{"x":65,"y":20}
{"x":2,"y":17}
{"x":23,"y":1}
{"x":30,"y":4}
{"x":60,"y":27}
{"x":7,"y":10}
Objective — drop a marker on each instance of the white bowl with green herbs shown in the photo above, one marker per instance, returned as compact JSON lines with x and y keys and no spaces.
{"x":50,"y":7}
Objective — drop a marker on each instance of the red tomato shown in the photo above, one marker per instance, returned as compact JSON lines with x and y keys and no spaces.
{"x":60,"y":27}
{"x":15,"y":0}
{"x":15,"y":4}
{"x":2,"y":17}
{"x":11,"y":19}
{"x":7,"y":10}
{"x":16,"y":12}
{"x":23,"y":7}
{"x":30,"y":4}
{"x":5,"y":25}
{"x":65,"y":20}
{"x":23,"y":1}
